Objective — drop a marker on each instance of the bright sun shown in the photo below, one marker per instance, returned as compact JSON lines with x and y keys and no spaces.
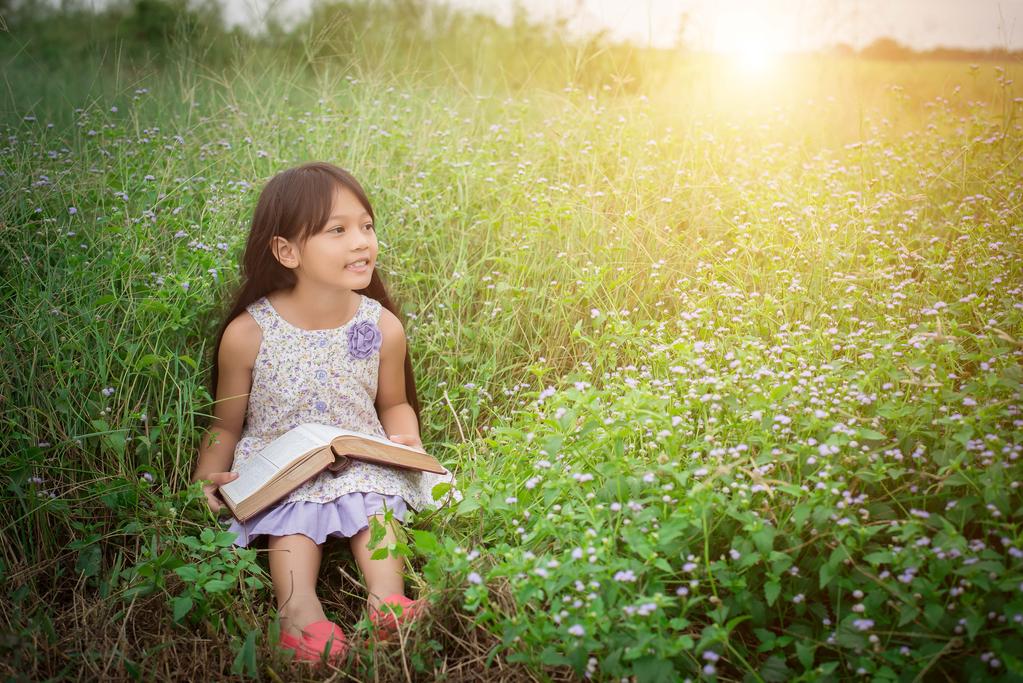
{"x":752,"y":47}
{"x":754,"y":58}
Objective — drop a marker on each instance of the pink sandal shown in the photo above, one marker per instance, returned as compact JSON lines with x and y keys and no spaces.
{"x":385,"y":622}
{"x":314,"y":640}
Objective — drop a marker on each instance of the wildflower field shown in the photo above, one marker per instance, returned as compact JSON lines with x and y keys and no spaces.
{"x":727,"y":364}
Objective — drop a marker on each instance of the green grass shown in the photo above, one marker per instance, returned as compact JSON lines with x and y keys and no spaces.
{"x":725,"y":365}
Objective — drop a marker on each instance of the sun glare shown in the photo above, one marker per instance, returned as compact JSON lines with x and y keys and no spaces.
{"x":754,"y":58}
{"x":752,"y":48}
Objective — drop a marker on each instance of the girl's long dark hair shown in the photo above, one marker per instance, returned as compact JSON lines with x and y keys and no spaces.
{"x":295,"y":204}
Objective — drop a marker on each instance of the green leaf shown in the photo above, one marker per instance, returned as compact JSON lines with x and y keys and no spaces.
{"x":934,"y":613}
{"x":973,"y":624}
{"x":112,"y":439}
{"x":771,"y":591}
{"x":838,"y":555}
{"x":147,"y":360}
{"x":870,"y":434}
{"x":851,"y":639}
{"x":653,"y":669}
{"x":964,"y":435}
{"x":804,"y":651}
{"x":89,"y":561}
{"x":245,"y":661}
{"x":764,"y":539}
{"x":216,"y":586}
{"x":891,"y":412}
{"x":827,"y":573}
{"x":438,"y":491}
{"x":188,"y":573}
{"x":779,"y":561}
{"x":552,"y":657}
{"x":426,"y":541}
{"x":908,"y":613}
{"x":775,"y":670}
{"x":766,"y":638}
{"x":749,"y":559}
{"x":377,"y":532}
{"x":799,"y":515}
{"x":669,"y":531}
{"x":190,"y":541}
{"x":790,"y":489}
{"x":735,"y":621}
{"x":225,"y":539}
{"x":468,"y":504}
{"x":132,"y":527}
{"x":577,"y":659}
{"x":182,"y":606}
{"x":206,"y":536}
{"x":879,"y":557}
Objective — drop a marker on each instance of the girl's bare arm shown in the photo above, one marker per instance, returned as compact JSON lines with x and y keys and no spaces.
{"x":237,"y":354}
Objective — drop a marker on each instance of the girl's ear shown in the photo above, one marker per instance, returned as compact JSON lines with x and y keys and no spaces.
{"x":284,"y":251}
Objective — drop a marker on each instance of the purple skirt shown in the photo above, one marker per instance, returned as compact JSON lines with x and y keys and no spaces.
{"x":343,"y":517}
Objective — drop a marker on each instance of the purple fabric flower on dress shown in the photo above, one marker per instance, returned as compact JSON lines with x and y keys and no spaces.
{"x":364,"y":339}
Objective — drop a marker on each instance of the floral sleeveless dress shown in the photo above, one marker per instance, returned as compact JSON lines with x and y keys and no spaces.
{"x":326,"y":376}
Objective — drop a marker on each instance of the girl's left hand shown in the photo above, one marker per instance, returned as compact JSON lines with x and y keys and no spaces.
{"x":408,"y":440}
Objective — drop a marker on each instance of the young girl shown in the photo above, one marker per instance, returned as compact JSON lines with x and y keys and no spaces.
{"x":314,"y":337}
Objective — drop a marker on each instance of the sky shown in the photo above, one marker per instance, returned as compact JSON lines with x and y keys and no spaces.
{"x":789,"y":25}
{"x":728,"y":25}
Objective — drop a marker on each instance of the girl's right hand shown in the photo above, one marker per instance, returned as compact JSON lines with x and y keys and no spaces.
{"x":216,"y":480}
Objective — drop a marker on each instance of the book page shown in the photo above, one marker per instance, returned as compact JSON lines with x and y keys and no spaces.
{"x":257,"y":472}
{"x":323,"y":434}
{"x":378,"y":439}
{"x":279,"y":454}
{"x":294,"y":443}
{"x":387,"y":441}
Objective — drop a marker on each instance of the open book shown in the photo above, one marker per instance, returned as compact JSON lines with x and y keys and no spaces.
{"x":302,"y":453}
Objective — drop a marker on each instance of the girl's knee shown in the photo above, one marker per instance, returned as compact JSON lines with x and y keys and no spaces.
{"x":292,"y":541}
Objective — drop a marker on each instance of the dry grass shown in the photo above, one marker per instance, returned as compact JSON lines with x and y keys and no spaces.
{"x":94,"y":638}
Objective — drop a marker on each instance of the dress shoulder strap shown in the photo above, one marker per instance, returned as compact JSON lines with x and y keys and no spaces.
{"x":260,"y":311}
{"x":371,"y":309}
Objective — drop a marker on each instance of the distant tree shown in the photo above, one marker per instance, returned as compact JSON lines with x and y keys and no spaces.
{"x":886,"y":48}
{"x":842,"y":50}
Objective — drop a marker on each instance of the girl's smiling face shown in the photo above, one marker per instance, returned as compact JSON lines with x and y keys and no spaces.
{"x":347,"y":238}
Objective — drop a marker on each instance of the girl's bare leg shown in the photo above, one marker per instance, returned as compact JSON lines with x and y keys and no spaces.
{"x":294,"y":568}
{"x":383,"y":577}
